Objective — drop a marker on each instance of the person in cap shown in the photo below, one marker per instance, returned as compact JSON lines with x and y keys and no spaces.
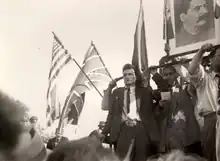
{"x":178,"y":125}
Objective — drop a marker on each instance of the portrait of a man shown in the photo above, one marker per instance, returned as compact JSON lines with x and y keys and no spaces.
{"x":194,"y":21}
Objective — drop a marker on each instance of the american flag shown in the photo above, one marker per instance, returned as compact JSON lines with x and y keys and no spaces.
{"x":60,"y":58}
{"x":93,"y":73}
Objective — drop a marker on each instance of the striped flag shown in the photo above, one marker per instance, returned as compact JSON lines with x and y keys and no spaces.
{"x":60,"y":58}
{"x":217,"y":9}
{"x":167,"y":22}
{"x":97,"y":74}
{"x":140,"y":58}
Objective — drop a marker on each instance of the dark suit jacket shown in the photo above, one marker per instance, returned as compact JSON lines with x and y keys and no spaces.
{"x":144,"y":101}
{"x":180,"y":102}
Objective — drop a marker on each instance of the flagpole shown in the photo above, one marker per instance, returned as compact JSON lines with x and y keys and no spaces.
{"x":87,"y":77}
{"x":101,"y":60}
{"x":78,"y":65}
{"x":167,"y":44}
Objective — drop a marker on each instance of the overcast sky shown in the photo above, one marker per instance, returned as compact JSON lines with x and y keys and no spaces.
{"x":26,"y":39}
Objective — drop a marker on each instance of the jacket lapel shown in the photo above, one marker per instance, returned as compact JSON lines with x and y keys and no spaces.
{"x":138,"y":98}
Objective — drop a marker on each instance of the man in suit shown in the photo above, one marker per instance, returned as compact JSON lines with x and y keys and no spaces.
{"x":131,"y":117}
{"x":178,"y":124}
{"x":57,"y":140}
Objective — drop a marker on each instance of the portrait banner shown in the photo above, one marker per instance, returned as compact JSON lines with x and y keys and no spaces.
{"x":194,"y":24}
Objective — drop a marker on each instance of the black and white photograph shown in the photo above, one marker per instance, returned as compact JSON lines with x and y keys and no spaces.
{"x":110,"y":80}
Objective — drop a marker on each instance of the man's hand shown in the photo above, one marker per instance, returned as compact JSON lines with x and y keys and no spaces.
{"x":131,"y":123}
{"x":206,"y":48}
{"x":113,"y":83}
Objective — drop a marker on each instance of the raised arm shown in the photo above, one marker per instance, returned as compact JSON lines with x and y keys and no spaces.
{"x":182,"y":72}
{"x":197,"y":59}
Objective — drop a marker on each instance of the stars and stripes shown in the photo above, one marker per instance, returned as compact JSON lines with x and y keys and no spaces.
{"x":60,"y":58}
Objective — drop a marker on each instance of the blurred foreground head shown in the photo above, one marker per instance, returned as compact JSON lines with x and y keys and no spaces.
{"x":11,"y":116}
{"x":177,"y":155}
{"x":85,"y":149}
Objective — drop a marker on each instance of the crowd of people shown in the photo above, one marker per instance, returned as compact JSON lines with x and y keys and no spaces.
{"x":183,"y":113}
{"x":178,"y":121}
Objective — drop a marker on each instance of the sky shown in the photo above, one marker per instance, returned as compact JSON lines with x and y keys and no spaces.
{"x":26,"y":39}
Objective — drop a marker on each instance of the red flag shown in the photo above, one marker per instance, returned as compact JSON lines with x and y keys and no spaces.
{"x":217,"y":9}
{"x":167,"y":22}
{"x":140,"y":58}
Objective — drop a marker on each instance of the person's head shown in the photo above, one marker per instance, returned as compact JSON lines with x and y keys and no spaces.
{"x":25,"y":121}
{"x":177,"y":155}
{"x":168,"y":72}
{"x":101,"y":125}
{"x":33,"y":121}
{"x":85,"y":149}
{"x":11,"y":117}
{"x":193,"y":14}
{"x":129,"y":74}
{"x":214,"y":57}
{"x":170,"y":75}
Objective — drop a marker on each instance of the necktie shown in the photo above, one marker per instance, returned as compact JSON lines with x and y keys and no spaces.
{"x":128,"y":100}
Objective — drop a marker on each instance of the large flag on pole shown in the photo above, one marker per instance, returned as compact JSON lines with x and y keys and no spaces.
{"x":140,"y":57}
{"x":93,"y":75}
{"x":167,"y":22}
{"x":217,"y":9}
{"x":60,"y":58}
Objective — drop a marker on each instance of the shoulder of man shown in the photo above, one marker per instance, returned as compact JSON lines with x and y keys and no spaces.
{"x":144,"y":89}
{"x":118,"y":90}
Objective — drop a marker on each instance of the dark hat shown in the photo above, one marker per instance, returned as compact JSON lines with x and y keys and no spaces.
{"x":101,"y":124}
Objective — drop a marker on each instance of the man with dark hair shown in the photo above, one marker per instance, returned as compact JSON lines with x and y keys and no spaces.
{"x":194,"y":21}
{"x":131,"y":117}
{"x":208,"y":92}
{"x":178,"y":124}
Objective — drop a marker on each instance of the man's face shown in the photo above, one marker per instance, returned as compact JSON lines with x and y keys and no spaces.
{"x":129,"y":77}
{"x":197,"y":14}
{"x":169,"y":75}
{"x":215,"y":61}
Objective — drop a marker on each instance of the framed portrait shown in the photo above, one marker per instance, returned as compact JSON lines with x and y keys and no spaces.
{"x":194,"y":24}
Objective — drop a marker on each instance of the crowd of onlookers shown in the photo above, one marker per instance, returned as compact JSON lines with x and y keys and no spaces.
{"x":179,"y":121}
